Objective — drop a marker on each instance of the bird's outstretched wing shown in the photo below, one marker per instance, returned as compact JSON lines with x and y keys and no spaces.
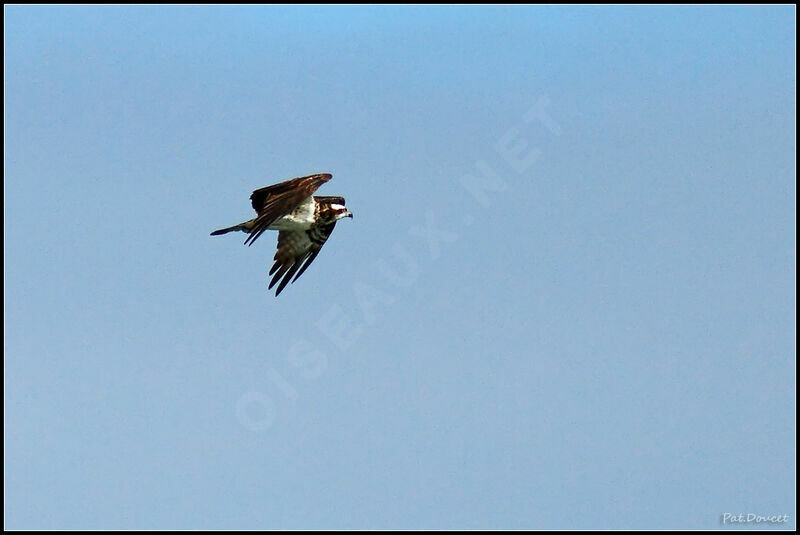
{"x":276,"y":201}
{"x":296,"y":250}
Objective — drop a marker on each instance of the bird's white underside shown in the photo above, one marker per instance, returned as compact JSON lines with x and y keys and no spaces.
{"x":302,"y":218}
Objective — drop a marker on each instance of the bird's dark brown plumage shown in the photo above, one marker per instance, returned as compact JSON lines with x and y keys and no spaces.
{"x":304,"y":223}
{"x":295,"y":252}
{"x":275,"y":201}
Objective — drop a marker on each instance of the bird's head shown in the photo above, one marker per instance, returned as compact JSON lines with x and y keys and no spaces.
{"x":339,"y":211}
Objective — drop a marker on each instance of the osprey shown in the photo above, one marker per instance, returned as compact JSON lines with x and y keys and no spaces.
{"x":302,"y":220}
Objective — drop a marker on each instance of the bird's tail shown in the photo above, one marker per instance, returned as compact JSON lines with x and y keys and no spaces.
{"x":240,"y":226}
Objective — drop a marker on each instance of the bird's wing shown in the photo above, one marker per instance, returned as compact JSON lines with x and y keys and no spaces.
{"x":296,"y":250}
{"x":276,"y":201}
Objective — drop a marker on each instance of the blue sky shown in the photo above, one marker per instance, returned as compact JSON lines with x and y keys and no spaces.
{"x":566,"y":299}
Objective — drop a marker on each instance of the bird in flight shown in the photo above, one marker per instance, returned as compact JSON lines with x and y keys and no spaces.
{"x":303,"y":222}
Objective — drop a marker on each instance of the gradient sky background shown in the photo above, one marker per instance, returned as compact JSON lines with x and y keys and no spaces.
{"x":566,"y":300}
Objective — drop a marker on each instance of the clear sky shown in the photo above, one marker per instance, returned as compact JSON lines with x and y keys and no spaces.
{"x":566,"y":299}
